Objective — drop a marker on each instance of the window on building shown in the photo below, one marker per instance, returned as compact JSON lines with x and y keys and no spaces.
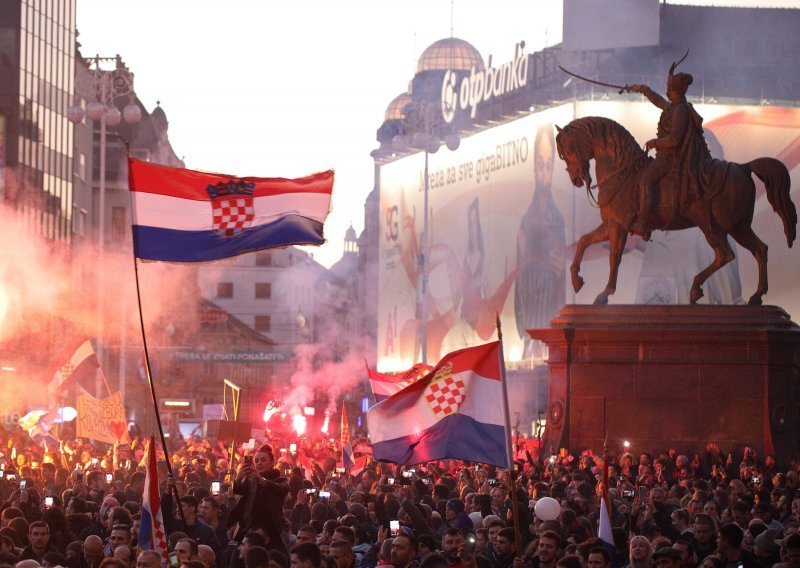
{"x":79,"y":220}
{"x":262,"y":323}
{"x":263,"y":258}
{"x":263,"y":290}
{"x":224,"y":289}
{"x":82,"y":166}
{"x":119,"y":224}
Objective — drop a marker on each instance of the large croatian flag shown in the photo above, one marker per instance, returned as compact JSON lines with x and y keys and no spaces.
{"x":182,"y":215}
{"x":455,"y":411}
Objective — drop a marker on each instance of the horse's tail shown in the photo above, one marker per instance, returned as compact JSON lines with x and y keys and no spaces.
{"x":778,"y":183}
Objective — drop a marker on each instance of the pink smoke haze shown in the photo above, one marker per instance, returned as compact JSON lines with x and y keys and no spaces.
{"x":332,"y":381}
{"x":49,"y":295}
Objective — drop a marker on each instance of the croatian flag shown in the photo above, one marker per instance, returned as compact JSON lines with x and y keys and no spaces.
{"x":81,"y":362}
{"x":182,"y":215}
{"x":455,"y":411}
{"x":385,"y":385}
{"x":348,"y":458}
{"x":152,"y":534}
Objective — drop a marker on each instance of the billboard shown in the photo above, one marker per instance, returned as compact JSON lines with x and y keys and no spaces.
{"x":504,"y":219}
{"x":610,"y":24}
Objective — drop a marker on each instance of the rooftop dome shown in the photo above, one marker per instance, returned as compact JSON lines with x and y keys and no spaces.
{"x":350,"y":234}
{"x":395,"y":109}
{"x":450,"y":53}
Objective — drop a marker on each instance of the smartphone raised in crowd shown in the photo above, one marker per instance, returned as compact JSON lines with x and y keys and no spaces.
{"x":215,"y":487}
{"x":48,"y":501}
{"x":394,"y":528}
{"x":324,"y":494}
{"x":469,"y":545}
{"x":109,"y":477}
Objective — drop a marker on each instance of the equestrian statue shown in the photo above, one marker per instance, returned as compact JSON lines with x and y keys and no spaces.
{"x":682,"y":187}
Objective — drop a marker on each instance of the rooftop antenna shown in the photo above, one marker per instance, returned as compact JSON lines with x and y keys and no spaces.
{"x":452,"y":10}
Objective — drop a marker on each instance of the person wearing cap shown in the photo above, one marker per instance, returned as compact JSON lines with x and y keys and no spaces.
{"x":729,"y":546}
{"x":680,"y":148}
{"x":766,"y":549}
{"x":455,"y":517}
{"x":667,"y":557}
{"x":791,"y":550}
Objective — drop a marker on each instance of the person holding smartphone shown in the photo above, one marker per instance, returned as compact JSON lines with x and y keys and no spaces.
{"x":263,"y":490}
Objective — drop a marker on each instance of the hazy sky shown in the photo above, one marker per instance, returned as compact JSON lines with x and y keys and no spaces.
{"x":290,"y":87}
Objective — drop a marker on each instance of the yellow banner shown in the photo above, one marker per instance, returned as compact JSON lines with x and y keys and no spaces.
{"x":102,"y":419}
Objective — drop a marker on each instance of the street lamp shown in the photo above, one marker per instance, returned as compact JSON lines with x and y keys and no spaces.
{"x":425,"y":123}
{"x":106,"y":85}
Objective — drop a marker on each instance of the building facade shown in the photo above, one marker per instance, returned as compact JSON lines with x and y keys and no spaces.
{"x":37,"y":72}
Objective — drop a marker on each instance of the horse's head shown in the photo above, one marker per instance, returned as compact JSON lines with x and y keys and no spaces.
{"x":576,"y":153}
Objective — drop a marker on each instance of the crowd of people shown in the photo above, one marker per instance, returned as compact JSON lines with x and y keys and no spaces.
{"x":292,"y":505}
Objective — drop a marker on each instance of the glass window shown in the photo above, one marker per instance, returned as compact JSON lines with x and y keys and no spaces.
{"x":262,"y":323}
{"x":224,"y":289}
{"x":119,"y":224}
{"x":263,"y":290}
{"x":263,"y":258}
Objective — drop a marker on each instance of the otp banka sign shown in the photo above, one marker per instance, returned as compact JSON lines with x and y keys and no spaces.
{"x":481,"y":86}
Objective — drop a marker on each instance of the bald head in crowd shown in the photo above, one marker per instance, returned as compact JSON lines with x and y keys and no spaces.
{"x":93,"y":550}
{"x":206,"y":554}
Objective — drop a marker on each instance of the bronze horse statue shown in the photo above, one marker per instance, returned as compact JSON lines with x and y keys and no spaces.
{"x":725,"y":208}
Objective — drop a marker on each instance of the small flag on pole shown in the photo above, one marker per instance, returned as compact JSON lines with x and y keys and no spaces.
{"x":348,"y":459}
{"x":78,"y":361}
{"x":183,"y":215}
{"x":152,"y":533}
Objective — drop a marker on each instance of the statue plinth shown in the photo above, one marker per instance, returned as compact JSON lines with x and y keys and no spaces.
{"x":673,"y":377}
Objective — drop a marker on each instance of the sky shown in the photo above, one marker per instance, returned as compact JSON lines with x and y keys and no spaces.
{"x":286,"y":88}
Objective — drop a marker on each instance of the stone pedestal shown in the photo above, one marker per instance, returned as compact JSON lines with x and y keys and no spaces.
{"x":673,"y":377}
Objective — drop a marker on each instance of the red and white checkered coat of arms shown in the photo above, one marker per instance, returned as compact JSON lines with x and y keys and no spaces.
{"x":231,"y":207}
{"x":445,"y":393}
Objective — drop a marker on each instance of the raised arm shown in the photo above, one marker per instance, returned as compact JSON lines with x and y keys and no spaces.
{"x":651,"y":95}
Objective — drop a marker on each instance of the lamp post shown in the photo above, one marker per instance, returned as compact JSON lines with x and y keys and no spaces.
{"x":424,"y":121}
{"x":107,"y":85}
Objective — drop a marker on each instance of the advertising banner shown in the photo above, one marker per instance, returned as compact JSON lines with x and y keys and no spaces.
{"x":504,"y":218}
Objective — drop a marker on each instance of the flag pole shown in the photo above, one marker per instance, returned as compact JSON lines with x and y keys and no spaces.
{"x":512,"y":474}
{"x":147,"y":371}
{"x":605,"y":459}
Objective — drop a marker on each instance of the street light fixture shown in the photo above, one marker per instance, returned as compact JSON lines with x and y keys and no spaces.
{"x":106,"y":85}
{"x":425,"y":124}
